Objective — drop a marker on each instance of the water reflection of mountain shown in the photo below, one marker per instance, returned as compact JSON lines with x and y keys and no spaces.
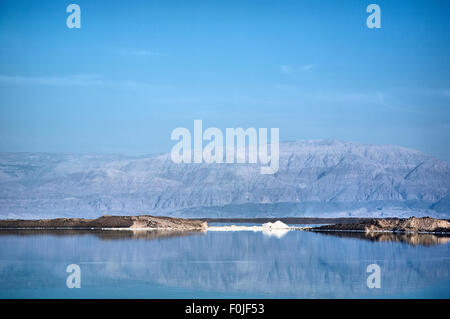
{"x":301,"y":264}
{"x":102,"y":234}
{"x":413,"y":239}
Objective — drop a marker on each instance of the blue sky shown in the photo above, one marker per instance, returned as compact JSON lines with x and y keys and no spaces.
{"x":138,"y":69}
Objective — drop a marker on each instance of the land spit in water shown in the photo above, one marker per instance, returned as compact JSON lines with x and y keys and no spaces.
{"x":414,"y":231}
{"x":287,"y":220}
{"x":108,"y":222}
{"x":147,"y":222}
{"x":425,"y":231}
{"x":405,"y":225}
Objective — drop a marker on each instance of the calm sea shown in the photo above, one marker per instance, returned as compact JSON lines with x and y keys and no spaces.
{"x":125,"y":264}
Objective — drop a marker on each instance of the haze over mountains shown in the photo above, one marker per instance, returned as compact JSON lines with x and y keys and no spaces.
{"x":325,"y":178}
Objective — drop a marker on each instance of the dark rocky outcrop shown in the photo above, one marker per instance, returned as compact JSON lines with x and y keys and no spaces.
{"x":408,"y":225}
{"x":125,"y":222}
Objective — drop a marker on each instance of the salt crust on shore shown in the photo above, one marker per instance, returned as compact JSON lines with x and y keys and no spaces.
{"x":277,"y":229}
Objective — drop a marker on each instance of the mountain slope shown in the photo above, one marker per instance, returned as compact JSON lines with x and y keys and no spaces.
{"x":316,"y":178}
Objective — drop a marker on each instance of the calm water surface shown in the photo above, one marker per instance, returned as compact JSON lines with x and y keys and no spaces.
{"x":125,"y":264}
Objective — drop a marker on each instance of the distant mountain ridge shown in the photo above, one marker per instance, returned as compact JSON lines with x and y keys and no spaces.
{"x":324,"y":178}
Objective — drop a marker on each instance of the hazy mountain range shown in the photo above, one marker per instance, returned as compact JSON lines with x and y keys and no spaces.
{"x":323,"y":178}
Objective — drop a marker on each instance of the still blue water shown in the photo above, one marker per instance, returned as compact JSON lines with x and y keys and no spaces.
{"x":123,"y":264}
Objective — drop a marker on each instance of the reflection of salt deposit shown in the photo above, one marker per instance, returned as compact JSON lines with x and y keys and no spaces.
{"x":275,"y":232}
{"x":277,"y":229}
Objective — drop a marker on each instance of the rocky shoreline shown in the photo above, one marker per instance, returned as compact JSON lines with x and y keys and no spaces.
{"x":147,"y":222}
{"x":108,"y":222}
{"x":396,"y":225}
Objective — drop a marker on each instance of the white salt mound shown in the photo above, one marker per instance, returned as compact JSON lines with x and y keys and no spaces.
{"x":277,"y":225}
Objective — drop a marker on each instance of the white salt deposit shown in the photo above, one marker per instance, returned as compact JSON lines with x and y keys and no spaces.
{"x":277,"y":225}
{"x":277,"y":229}
{"x":235,"y":228}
